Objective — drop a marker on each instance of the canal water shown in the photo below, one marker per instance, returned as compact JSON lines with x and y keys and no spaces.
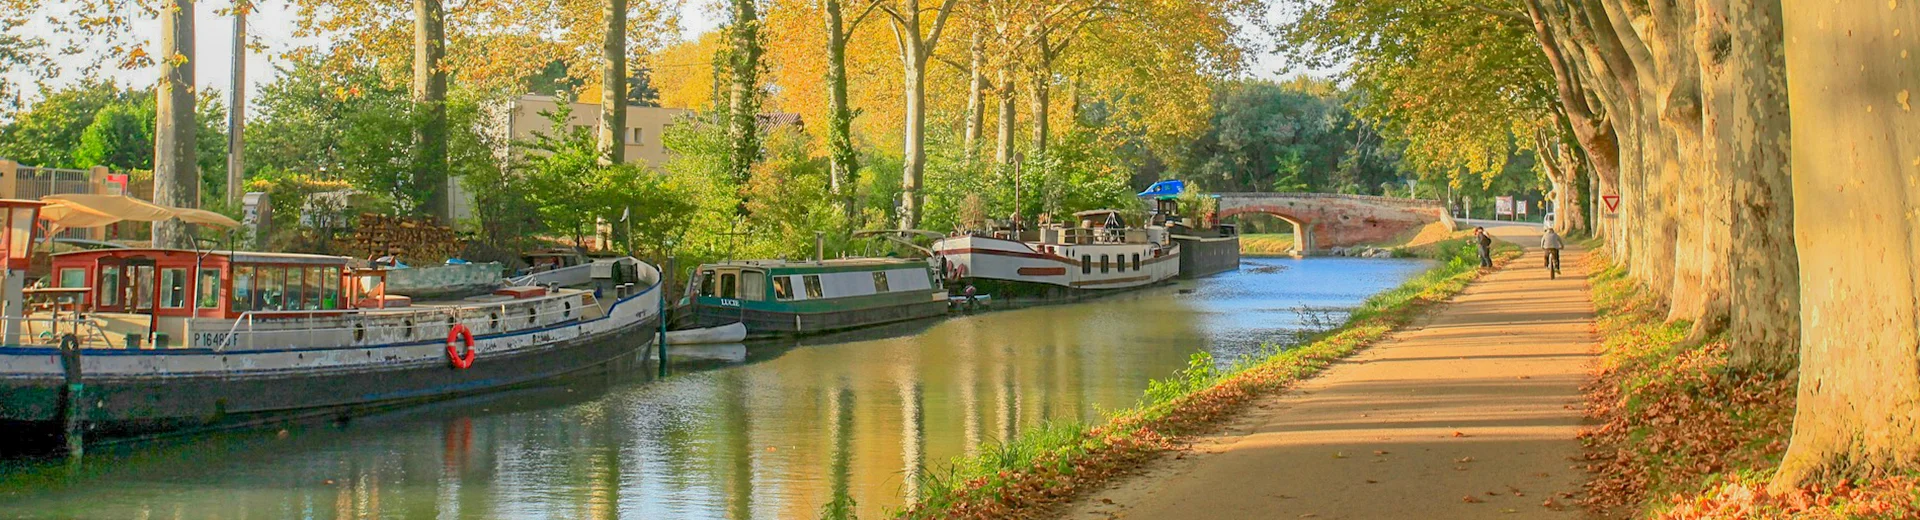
{"x":761,"y":431}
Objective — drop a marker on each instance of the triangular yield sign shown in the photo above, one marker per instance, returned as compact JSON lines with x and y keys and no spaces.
{"x":1613,"y":202}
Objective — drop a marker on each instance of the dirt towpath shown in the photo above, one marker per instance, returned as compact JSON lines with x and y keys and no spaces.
{"x":1471,"y":413}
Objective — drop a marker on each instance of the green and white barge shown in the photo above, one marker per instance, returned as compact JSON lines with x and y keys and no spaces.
{"x":790,"y":298}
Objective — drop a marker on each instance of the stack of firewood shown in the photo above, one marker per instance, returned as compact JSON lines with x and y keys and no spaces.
{"x":414,"y":241}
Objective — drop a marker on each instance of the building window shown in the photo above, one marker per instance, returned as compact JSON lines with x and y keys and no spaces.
{"x":783,"y":288}
{"x":208,"y":288}
{"x":173,"y":288}
{"x":880,"y":282}
{"x":812,"y":282}
{"x":635,"y":138}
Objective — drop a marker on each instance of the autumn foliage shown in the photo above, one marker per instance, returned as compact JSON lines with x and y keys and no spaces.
{"x":1683,"y":435}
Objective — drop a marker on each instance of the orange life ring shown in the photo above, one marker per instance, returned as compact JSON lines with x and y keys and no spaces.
{"x":456,"y":336}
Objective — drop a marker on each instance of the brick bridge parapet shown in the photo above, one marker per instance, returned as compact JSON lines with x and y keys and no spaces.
{"x":1322,"y":221}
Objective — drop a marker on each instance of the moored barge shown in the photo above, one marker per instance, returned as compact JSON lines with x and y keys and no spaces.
{"x":145,"y":341}
{"x":1101,"y":255}
{"x":791,"y":298}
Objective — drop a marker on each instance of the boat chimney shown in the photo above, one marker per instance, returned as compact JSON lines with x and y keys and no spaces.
{"x":819,"y":246}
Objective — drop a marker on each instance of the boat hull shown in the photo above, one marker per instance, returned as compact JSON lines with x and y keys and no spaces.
{"x":764,"y":323}
{"x":1021,"y":273}
{"x":1201,"y":257}
{"x":124,"y":406}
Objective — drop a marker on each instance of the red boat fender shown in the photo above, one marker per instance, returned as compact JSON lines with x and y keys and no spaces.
{"x":456,"y":336}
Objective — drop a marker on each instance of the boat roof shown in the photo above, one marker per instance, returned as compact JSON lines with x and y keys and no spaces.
{"x":838,"y":262}
{"x":253,"y":257}
{"x":1096,"y":212}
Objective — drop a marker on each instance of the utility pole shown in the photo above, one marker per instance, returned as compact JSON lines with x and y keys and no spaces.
{"x":237,"y":108}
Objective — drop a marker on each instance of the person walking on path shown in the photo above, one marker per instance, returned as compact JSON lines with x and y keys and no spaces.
{"x":1484,"y":242}
{"x":1550,"y":241}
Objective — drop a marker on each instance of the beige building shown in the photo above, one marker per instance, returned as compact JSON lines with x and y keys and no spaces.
{"x":521,"y":118}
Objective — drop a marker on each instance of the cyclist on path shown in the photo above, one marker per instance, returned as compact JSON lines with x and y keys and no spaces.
{"x":1552,"y":243}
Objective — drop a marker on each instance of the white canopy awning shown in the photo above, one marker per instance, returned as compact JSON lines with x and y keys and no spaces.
{"x":88,"y":211}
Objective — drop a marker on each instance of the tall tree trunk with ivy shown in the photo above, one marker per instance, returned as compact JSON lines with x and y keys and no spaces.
{"x":430,"y":99}
{"x":613,"y":85}
{"x":176,"y":172}
{"x":743,"y":107}
{"x":842,"y":161}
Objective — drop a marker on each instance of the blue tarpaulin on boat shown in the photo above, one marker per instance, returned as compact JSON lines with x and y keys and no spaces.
{"x":1165,"y":189}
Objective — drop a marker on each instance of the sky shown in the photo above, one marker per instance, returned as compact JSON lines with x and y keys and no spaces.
{"x":272,"y":26}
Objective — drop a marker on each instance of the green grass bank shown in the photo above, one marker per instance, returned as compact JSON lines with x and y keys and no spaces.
{"x":1056,"y":461}
{"x":1267,"y":244}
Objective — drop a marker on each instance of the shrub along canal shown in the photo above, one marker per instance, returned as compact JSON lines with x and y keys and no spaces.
{"x":766,"y":431}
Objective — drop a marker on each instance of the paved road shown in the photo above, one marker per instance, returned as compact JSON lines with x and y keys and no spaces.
{"x":1471,"y":414}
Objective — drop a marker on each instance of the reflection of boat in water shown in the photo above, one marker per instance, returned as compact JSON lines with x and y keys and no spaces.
{"x":778,"y":297}
{"x":161,"y":339}
{"x":1057,"y":263}
{"x":728,"y":352}
{"x":730,"y":333}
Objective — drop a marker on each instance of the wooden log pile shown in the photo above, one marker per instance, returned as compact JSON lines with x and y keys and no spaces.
{"x":414,"y":241}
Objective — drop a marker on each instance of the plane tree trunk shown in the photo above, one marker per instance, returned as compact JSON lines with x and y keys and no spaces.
{"x":1855,"y":199}
{"x":176,"y":171}
{"x":1765,"y":321}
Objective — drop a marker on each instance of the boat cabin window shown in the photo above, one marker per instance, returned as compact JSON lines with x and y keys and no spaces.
{"x":1104,"y":263}
{"x":753,"y":285}
{"x":783,"y":288}
{"x":1136,"y":261}
{"x":880,"y":282}
{"x":706,"y":284}
{"x":173,"y":288}
{"x":330,"y":288}
{"x":310,"y":291}
{"x":272,"y":295}
{"x":141,"y":278}
{"x":729,"y":285}
{"x":244,"y":287}
{"x":209,"y":288}
{"x":1086,"y":264}
{"x":813,"y":286}
{"x":109,"y":286}
{"x":71,"y":278}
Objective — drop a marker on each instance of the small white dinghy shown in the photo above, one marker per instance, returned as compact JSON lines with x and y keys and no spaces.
{"x":731,"y":333}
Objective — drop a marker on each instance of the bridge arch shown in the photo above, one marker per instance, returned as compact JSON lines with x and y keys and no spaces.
{"x":1325,"y":220}
{"x":1302,"y":228}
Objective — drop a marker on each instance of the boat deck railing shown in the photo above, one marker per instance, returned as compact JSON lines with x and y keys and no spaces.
{"x":369,"y":326}
{"x":37,"y":331}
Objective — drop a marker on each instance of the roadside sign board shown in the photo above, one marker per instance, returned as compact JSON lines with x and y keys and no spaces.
{"x":1613,"y":203}
{"x":1503,"y":206}
{"x":1521,"y":206}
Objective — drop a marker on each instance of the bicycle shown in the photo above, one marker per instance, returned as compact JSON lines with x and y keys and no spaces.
{"x":1553,"y":264}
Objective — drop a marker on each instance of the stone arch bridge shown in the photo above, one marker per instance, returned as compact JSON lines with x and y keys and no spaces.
{"x":1323,"y":221}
